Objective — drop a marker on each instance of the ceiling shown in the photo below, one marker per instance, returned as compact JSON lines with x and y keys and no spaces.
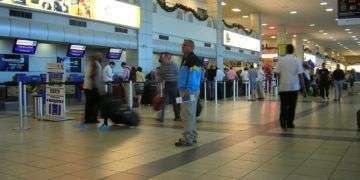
{"x":277,"y":12}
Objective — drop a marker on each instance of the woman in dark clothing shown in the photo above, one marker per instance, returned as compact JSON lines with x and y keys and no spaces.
{"x":210,"y":77}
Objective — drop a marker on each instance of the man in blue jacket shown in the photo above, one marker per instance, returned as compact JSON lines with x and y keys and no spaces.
{"x":189,"y":87}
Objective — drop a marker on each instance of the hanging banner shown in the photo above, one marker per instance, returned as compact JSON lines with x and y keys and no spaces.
{"x":55,"y":93}
{"x":241,"y":41}
{"x":111,"y":11}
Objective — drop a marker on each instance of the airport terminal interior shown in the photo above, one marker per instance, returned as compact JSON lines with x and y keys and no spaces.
{"x":171,"y":89}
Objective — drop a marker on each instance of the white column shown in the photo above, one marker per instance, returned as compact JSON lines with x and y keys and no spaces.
{"x":299,"y":46}
{"x":145,"y":36}
{"x":219,"y":36}
{"x":281,"y":35}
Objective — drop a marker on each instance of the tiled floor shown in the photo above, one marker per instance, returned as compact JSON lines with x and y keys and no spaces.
{"x":238,"y":140}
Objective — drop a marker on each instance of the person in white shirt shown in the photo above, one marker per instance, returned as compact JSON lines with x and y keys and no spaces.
{"x":108,"y":72}
{"x":93,"y":87}
{"x":245,"y":75}
{"x":290,"y":71}
{"x":219,"y":75}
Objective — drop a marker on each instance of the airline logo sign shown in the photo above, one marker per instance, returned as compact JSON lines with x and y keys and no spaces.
{"x":241,"y":41}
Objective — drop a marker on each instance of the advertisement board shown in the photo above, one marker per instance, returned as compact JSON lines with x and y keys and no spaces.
{"x":241,"y":41}
{"x":348,"y":12}
{"x":111,"y":11}
{"x":14,"y":63}
{"x":55,"y":93}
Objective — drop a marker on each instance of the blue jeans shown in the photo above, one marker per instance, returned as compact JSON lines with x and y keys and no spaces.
{"x":188,"y":115}
{"x":338,"y":89}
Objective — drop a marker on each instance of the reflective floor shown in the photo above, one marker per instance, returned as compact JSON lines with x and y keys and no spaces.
{"x":238,"y":140}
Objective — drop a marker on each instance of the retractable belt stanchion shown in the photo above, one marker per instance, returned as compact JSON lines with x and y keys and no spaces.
{"x":25,"y":101}
{"x":205,"y":91}
{"x":234,"y":90}
{"x":237,"y":88}
{"x":216,"y":91}
{"x":130,"y":94}
{"x":22,"y":124}
{"x":38,"y":103}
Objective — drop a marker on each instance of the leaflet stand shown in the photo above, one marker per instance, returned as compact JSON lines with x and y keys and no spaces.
{"x":55,"y":93}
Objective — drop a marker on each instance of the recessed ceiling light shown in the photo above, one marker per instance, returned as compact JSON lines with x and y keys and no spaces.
{"x":273,"y":37}
{"x":329,"y":9}
{"x":293,"y":12}
{"x":350,"y":32}
{"x":321,"y":31}
{"x":305,"y":40}
{"x":323,"y":3}
{"x":245,"y":16}
{"x":264,"y":24}
{"x":236,"y":10}
{"x":294,"y":35}
{"x":353,"y":36}
{"x":325,"y":33}
{"x":223,"y":3}
{"x":347,"y":29}
{"x":312,"y":25}
{"x":271,"y":27}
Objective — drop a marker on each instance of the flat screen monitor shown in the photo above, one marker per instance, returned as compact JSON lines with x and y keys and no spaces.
{"x":114,"y":53}
{"x":76,"y":50}
{"x":24,"y":46}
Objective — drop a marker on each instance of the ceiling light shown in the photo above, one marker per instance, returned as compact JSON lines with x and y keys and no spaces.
{"x":323,"y":3}
{"x":245,"y":16}
{"x":353,"y":36}
{"x":312,"y":25}
{"x":223,"y":3}
{"x":271,"y":27}
{"x":294,"y":35}
{"x":236,"y":10}
{"x":263,"y":34}
{"x":329,"y":9}
{"x":350,"y":32}
{"x":293,"y":12}
{"x":305,"y":40}
{"x":264,"y":24}
{"x":321,"y":31}
{"x":325,"y":33}
{"x":273,"y":37}
{"x":347,"y":29}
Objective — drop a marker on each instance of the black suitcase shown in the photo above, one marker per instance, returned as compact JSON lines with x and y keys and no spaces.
{"x":117,"y":113}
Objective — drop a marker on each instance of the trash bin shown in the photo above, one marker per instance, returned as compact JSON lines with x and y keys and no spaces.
{"x":38,"y":107}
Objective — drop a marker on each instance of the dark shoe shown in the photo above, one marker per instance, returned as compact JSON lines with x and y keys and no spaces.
{"x":177,"y":119}
{"x":283,"y":124}
{"x":292,"y":126}
{"x":160,"y":119}
{"x":182,"y":143}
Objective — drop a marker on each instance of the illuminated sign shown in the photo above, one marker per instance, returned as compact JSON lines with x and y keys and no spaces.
{"x":111,"y":11}
{"x":241,"y":41}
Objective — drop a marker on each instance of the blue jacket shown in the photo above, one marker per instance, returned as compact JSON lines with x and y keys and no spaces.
{"x":190,"y":74}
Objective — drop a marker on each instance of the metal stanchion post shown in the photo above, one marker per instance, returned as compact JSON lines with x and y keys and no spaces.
{"x":21,"y":106}
{"x":205,"y":91}
{"x":25,"y":100}
{"x":161,"y":89}
{"x":234,"y":91}
{"x":224,"y":90}
{"x":216,"y":91}
{"x":237,"y":89}
{"x":130,"y":94}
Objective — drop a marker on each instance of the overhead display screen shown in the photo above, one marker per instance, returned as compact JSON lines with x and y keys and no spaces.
{"x":76,"y":51}
{"x":114,"y":53}
{"x":23,"y":46}
{"x":241,"y":41}
{"x":111,"y":11}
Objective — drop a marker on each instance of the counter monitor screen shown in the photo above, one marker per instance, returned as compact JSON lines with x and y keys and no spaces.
{"x":114,"y":53}
{"x":76,"y":51}
{"x":23,"y":46}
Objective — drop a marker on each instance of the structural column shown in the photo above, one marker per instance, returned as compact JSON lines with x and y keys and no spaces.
{"x":281,"y":35}
{"x":219,"y":35}
{"x":256,"y":22}
{"x":145,"y":36}
{"x":298,"y":43}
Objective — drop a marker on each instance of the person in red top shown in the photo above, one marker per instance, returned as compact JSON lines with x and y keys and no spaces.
{"x":268,"y":78}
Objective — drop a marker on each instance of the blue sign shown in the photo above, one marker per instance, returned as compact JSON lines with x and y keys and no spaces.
{"x":76,"y":51}
{"x":14,"y":63}
{"x":23,"y":46}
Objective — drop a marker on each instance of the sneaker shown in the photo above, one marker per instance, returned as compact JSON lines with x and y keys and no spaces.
{"x":182,"y":143}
